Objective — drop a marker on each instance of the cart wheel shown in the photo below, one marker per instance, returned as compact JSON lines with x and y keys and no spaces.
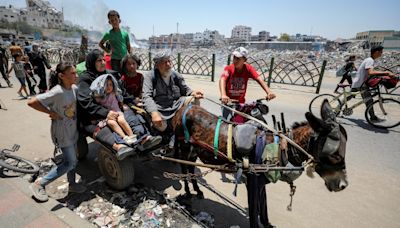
{"x":118,"y":174}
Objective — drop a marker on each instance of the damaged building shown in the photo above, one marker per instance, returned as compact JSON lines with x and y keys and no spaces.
{"x":37,"y":13}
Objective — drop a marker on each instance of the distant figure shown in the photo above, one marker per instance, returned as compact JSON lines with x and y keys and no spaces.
{"x":15,"y":49}
{"x":18,"y":67}
{"x":60,"y":104}
{"x":119,"y":40}
{"x":107,"y":55}
{"x":233,"y":81}
{"x":83,"y":49}
{"x":30,"y":79}
{"x":348,"y":68}
{"x":365,"y":71}
{"x":27,"y":48}
{"x":4,"y":66}
{"x":39,"y":62}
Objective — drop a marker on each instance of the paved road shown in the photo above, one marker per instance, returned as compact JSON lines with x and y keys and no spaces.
{"x":371,"y":199}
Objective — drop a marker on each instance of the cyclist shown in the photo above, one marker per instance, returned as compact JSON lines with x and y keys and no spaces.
{"x":233,"y":81}
{"x":365,"y":71}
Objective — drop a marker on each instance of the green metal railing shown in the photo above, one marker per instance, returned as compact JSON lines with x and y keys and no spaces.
{"x":284,"y":72}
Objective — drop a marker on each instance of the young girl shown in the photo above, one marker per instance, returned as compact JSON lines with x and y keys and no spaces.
{"x":18,"y":67}
{"x":60,"y":104}
{"x":30,"y":79}
{"x":349,"y":67}
{"x":105,"y":91}
{"x":131,"y":79}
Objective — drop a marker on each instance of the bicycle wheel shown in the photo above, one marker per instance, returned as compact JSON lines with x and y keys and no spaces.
{"x":18,"y":164}
{"x":316,"y":103}
{"x":388,"y":113}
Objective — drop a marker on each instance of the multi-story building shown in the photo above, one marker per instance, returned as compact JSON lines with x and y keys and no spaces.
{"x":9,"y":14}
{"x":375,"y":37}
{"x":241,"y":32}
{"x":41,"y":14}
{"x":263,"y":36}
{"x":37,"y":13}
{"x":173,"y":41}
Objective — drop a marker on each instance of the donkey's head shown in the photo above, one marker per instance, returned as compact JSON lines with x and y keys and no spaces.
{"x":328,"y":146}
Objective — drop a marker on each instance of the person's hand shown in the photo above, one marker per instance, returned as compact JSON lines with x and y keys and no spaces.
{"x":224,"y":99}
{"x":54,"y":116}
{"x":270,"y":96}
{"x":156,"y":119}
{"x":35,"y":67}
{"x":112,"y":115}
{"x":197,"y":94}
{"x":390,"y":74}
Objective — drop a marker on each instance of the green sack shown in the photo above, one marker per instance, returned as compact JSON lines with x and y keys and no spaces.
{"x":270,"y":156}
{"x":81,"y":67}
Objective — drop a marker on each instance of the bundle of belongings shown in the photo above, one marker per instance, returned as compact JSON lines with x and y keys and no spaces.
{"x":269,"y":149}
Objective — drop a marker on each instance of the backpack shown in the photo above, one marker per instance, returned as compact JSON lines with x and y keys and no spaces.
{"x":341,"y":71}
{"x":390,"y":82}
{"x":386,"y":81}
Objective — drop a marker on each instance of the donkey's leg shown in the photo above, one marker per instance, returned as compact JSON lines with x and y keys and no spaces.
{"x":263,"y":206}
{"x":200,"y":194}
{"x":186,"y":182}
{"x":182,"y":150}
{"x":252,"y":200}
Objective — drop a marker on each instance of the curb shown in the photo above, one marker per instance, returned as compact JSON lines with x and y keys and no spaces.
{"x":52,"y":206}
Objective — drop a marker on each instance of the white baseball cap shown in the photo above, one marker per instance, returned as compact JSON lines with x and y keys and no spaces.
{"x":240,"y":52}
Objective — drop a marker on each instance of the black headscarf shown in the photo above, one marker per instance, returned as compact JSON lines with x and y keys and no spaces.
{"x":91,"y":62}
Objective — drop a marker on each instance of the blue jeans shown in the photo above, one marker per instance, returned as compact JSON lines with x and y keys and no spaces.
{"x":68,"y":165}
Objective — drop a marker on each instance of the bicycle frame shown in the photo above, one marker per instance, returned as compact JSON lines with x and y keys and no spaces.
{"x":348,"y":94}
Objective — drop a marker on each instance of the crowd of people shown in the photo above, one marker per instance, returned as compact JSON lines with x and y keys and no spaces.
{"x":96,"y":103}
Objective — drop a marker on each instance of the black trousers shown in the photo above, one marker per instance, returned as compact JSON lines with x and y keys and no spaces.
{"x":3,"y":73}
{"x":42,"y":83}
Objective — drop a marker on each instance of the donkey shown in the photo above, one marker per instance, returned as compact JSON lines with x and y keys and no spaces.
{"x":324,"y":139}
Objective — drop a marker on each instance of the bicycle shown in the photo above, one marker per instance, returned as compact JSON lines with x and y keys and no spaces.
{"x":386,"y":109}
{"x":15,"y":163}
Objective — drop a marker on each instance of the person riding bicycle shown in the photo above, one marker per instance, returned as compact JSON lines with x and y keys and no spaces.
{"x":233,"y":81}
{"x":364,"y":72}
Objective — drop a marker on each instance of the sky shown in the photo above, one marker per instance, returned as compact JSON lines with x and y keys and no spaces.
{"x":330,"y":19}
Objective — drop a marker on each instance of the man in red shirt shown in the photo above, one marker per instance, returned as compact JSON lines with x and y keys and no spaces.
{"x":233,"y":81}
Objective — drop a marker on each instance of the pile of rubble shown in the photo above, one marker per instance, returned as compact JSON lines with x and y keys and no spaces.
{"x":137,"y":206}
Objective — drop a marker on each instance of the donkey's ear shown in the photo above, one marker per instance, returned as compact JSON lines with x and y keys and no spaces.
{"x":327,"y":112}
{"x":316,"y":124}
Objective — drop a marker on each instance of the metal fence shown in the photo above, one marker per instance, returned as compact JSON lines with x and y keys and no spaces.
{"x":284,"y":72}
{"x":289,"y":72}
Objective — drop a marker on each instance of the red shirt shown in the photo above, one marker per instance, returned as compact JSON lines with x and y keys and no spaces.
{"x":107,"y":58}
{"x":236,"y":82}
{"x":133,"y":85}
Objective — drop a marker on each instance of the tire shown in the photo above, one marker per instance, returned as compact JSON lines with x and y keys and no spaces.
{"x":391,"y":116}
{"x":8,"y":161}
{"x":82,"y":147}
{"x":316,"y":102}
{"x":118,"y":174}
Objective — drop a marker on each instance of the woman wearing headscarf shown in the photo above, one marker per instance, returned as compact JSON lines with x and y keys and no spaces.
{"x":90,"y":112}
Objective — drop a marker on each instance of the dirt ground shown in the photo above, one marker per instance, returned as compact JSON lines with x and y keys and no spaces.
{"x":370,"y":200}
